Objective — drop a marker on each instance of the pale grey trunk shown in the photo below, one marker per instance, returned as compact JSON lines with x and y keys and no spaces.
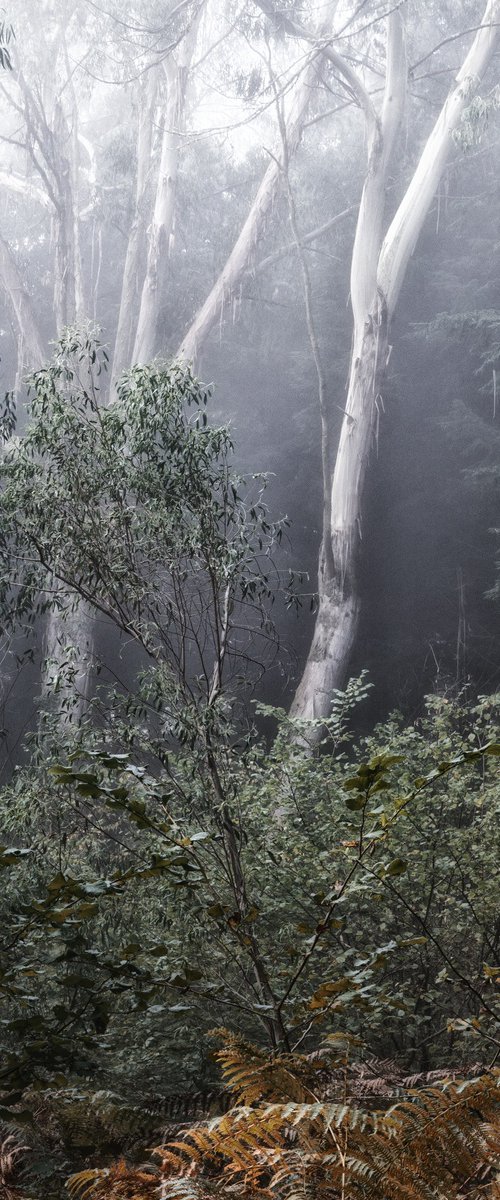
{"x":69,"y":303}
{"x":136,"y":245}
{"x":378,"y":271}
{"x":338,"y":594}
{"x":54,"y":147}
{"x":162,"y":225}
{"x":66,"y":643}
{"x":67,"y":647}
{"x":67,"y":662}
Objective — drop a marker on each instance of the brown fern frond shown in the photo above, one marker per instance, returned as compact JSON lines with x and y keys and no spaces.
{"x":10,"y":1151}
{"x":440,"y":1142}
{"x":444,"y":1136}
{"x":254,"y":1075}
{"x":118,"y":1182}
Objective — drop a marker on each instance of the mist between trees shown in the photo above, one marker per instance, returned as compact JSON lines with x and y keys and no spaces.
{"x":249,"y":508}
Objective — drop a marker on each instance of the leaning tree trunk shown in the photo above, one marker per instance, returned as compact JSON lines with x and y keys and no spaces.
{"x":378,"y":270}
{"x":236,"y":266}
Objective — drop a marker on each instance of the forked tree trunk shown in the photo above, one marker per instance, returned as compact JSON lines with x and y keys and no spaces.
{"x":378,"y":271}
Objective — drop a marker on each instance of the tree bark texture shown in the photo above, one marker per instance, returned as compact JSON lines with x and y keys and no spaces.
{"x":30,"y":348}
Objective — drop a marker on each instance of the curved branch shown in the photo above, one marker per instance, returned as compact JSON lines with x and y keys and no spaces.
{"x":368,"y":237}
{"x":353,"y":80}
{"x":401,"y":237}
{"x":24,"y":187}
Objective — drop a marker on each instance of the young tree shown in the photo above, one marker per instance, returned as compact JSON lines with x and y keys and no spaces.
{"x":132,"y":509}
{"x":50,"y":107}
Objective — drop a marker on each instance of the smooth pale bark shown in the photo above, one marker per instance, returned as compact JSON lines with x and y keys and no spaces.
{"x":69,"y":303}
{"x":54,"y":148}
{"x":378,"y":269}
{"x":161,"y":229}
{"x":211,"y":312}
{"x":404,"y":230}
{"x":73,"y":137}
{"x":136,"y":244}
{"x":25,"y":187}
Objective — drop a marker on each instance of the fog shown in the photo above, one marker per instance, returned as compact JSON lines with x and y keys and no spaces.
{"x":188,"y":179}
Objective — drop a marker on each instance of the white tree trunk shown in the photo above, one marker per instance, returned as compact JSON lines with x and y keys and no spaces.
{"x":378,"y":271}
{"x":162,"y":224}
{"x":130,"y":292}
{"x":67,"y":661}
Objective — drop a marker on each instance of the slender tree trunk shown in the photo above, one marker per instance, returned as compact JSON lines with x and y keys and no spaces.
{"x":136,"y":245}
{"x":338,"y":594}
{"x":162,"y":224}
{"x":378,"y":269}
{"x":54,"y":149}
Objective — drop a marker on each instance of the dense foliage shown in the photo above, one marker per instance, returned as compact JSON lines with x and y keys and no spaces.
{"x":165,"y":869}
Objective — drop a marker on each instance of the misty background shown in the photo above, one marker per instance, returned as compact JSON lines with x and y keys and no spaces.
{"x":106,"y":104}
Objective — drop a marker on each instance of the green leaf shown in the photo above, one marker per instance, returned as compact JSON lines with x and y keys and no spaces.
{"x":355,"y":803}
{"x":398,"y":866}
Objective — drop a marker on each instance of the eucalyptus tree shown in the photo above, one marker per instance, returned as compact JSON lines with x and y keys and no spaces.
{"x":381,"y":252}
{"x":55,"y":164}
{"x":379,"y":264}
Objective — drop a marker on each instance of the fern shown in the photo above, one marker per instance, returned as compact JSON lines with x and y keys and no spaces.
{"x":437,"y":1142}
{"x":118,"y":1182}
{"x":253,"y":1076}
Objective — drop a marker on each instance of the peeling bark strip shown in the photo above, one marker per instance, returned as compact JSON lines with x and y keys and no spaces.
{"x":378,"y":269}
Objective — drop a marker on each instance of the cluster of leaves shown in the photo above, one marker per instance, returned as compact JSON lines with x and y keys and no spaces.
{"x":131,"y":513}
{"x":288,"y":893}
